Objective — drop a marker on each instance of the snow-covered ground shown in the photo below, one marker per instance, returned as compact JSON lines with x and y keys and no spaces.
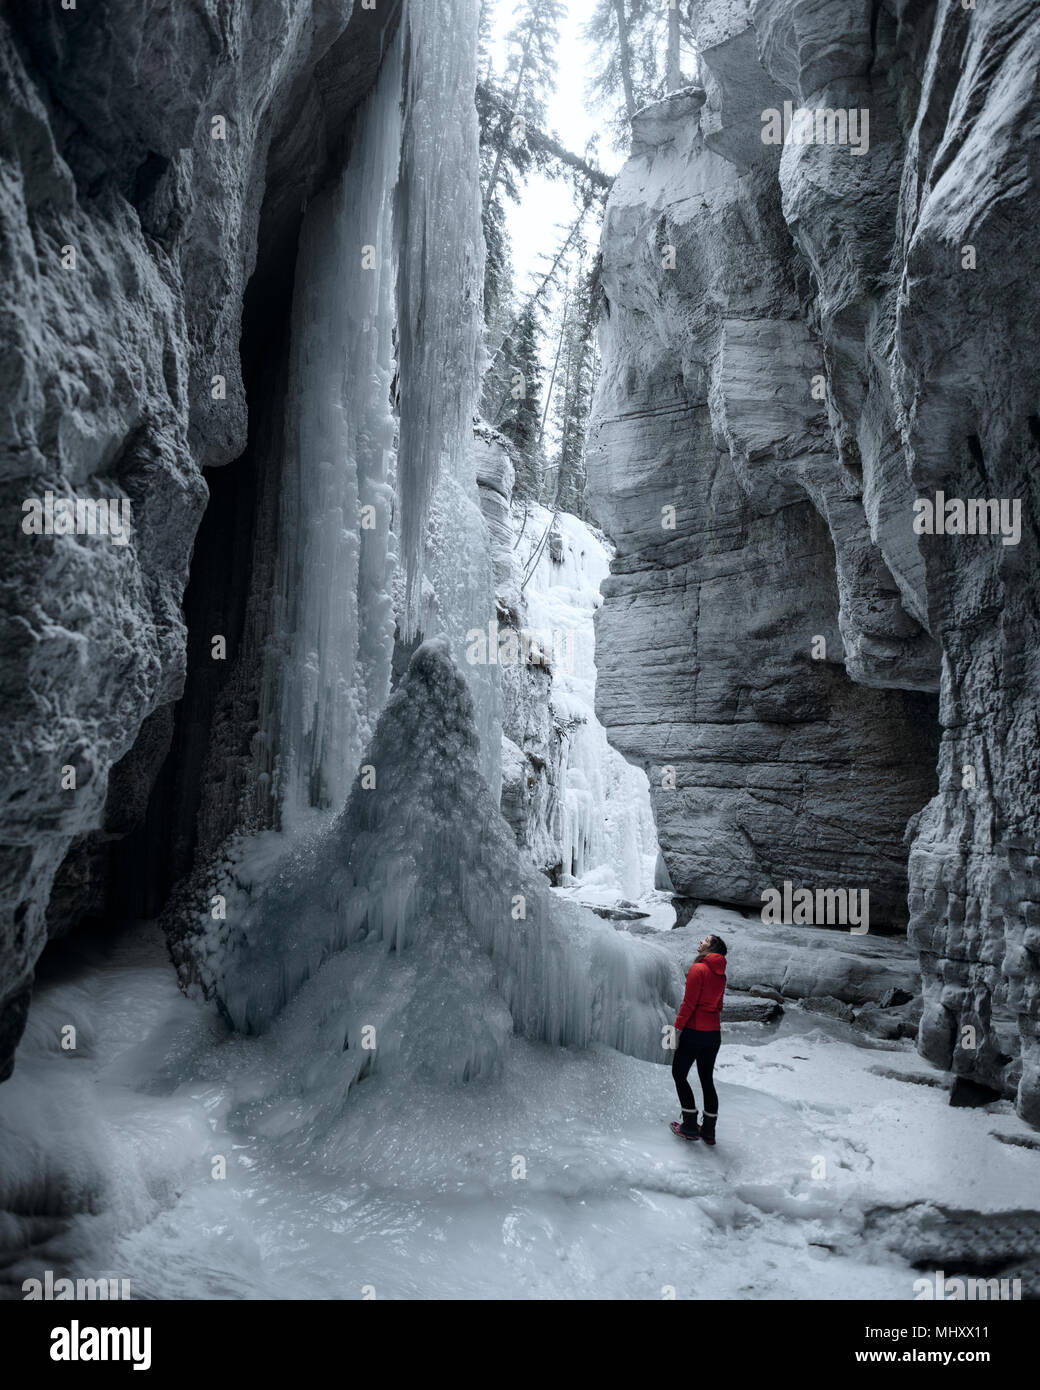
{"x":560,"y":1180}
{"x":655,"y":908}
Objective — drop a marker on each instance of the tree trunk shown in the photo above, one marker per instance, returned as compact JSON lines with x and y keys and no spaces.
{"x":626,"y":57}
{"x":507,"y":116}
{"x":552,"y":379}
{"x":673,"y":73}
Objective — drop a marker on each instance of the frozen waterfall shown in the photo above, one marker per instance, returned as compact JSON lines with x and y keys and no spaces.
{"x":398,"y":906}
{"x":605,"y":828}
{"x":393,"y":252}
{"x":327,"y":672}
{"x":415,"y":924}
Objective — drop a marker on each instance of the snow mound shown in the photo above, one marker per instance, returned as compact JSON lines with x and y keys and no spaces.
{"x":412,"y":934}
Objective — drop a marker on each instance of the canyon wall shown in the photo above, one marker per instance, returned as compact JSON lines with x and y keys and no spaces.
{"x":182,"y":231}
{"x":799,"y":339}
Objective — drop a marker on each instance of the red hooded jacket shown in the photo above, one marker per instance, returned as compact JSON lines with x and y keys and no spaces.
{"x":702,"y":1002}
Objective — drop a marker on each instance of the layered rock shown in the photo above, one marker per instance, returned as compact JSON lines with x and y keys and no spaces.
{"x":870,"y":981}
{"x":170,"y":187}
{"x":795,"y":348}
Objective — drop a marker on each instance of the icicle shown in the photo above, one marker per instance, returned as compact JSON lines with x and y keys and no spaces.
{"x":327,"y":671}
{"x":606,"y":828}
{"x":441,"y":268}
{"x":416,"y":915}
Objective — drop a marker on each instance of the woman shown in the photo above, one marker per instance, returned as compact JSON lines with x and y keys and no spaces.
{"x":700,"y":1037}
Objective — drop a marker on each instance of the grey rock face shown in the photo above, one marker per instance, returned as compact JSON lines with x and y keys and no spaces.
{"x":818,"y":358}
{"x":803,"y":963}
{"x":106,"y":373}
{"x":532,"y":745}
{"x":783,"y":766}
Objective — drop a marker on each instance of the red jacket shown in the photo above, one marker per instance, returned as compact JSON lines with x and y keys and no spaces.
{"x":702,"y":1002}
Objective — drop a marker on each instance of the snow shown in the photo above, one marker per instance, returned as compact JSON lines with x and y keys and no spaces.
{"x":599,"y":889}
{"x":432,"y":1075}
{"x":505,"y":1137}
{"x":412,"y":1192}
{"x":607,"y":834}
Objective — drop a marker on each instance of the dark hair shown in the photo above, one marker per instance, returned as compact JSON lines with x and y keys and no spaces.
{"x":716,"y":946}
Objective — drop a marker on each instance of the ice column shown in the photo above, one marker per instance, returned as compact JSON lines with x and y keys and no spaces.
{"x":441,"y":265}
{"x":327,"y":669}
{"x":417,"y":915}
{"x":449,"y":585}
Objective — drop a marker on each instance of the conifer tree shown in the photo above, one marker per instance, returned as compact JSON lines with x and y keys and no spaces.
{"x":639,"y":45}
{"x":521,"y":416}
{"x":574,"y":400}
{"x":530,"y":73}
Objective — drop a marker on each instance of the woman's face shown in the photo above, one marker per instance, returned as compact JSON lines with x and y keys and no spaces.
{"x":706,"y":944}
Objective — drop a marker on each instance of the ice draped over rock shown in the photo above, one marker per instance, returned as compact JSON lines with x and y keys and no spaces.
{"x":603,"y":826}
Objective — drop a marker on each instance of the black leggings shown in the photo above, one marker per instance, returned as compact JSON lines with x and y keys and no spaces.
{"x":702,"y":1048}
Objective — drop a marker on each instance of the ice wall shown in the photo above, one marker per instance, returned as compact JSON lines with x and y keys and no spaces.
{"x":395,"y":250}
{"x":604,"y":824}
{"x":441,"y":268}
{"x":413,"y":935}
{"x":327,"y":671}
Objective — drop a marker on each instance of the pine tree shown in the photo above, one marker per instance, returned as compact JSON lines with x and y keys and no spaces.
{"x":529,"y":75}
{"x":574,"y":401}
{"x":639,"y":47}
{"x":499,"y":311}
{"x":521,"y":416}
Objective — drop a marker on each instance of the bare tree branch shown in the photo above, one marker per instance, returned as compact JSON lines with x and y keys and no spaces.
{"x":538,"y":140}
